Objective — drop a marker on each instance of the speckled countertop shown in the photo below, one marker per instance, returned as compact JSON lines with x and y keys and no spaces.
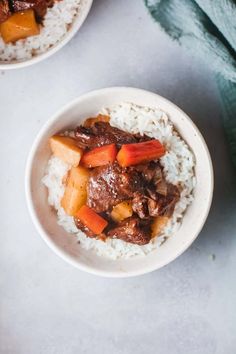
{"x":48,"y":307}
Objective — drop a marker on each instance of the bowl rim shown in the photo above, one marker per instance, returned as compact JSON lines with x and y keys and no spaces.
{"x":30,"y":205}
{"x":76,"y":25}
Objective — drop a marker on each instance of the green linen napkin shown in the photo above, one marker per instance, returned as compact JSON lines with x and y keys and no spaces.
{"x":208,"y":29}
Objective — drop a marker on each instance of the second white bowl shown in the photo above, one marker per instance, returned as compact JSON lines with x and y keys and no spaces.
{"x":75,"y":26}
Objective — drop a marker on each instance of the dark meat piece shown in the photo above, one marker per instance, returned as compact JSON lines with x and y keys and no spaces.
{"x":142,"y":138}
{"x":111,"y":184}
{"x":167,"y":204}
{"x":101,"y":133}
{"x":86,"y":138}
{"x":161,"y":196}
{"x":151,"y":192}
{"x":153,"y":207}
{"x":132,"y":230}
{"x":145,"y":206}
{"x":146,"y":171}
{"x":162,"y":187}
{"x":151,"y":171}
{"x":155,"y":204}
{"x":5,"y":11}
{"x":87,"y":231}
{"x":140,"y":205}
{"x":164,"y":205}
{"x":157,"y":176}
{"x":84,"y":228}
{"x":39,"y":6}
{"x":173,"y":190}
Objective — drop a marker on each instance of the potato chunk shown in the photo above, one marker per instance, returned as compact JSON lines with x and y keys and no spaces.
{"x":158,"y":224}
{"x":71,"y":201}
{"x":65,"y":148}
{"x":18,"y":26}
{"x":122,"y":211}
{"x":75,"y":195}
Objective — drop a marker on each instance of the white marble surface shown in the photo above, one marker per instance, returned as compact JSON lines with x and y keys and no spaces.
{"x":48,"y":307}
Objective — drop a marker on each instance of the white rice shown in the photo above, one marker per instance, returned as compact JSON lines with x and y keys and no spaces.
{"x":178,"y":164}
{"x":56,"y":23}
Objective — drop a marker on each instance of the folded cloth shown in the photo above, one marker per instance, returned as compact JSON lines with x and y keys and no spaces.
{"x":208,"y":29}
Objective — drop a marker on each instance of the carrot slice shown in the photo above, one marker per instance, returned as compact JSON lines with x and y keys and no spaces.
{"x":99,"y":156}
{"x":133,"y":154}
{"x":91,"y":219}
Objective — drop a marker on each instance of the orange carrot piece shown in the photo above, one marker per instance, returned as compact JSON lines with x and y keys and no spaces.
{"x":99,"y":156}
{"x":133,"y":154}
{"x":91,"y":219}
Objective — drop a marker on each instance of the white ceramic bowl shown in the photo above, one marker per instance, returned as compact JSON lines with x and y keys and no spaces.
{"x":75,"y":26}
{"x":66,"y":245}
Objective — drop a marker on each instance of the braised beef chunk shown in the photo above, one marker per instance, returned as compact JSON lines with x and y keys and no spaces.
{"x":89,"y":233}
{"x":162,"y":187}
{"x":22,"y":5}
{"x":5,"y":11}
{"x":155,"y":204}
{"x":151,"y":192}
{"x":39,"y":6}
{"x":145,"y":207}
{"x":83,"y":228}
{"x":153,"y":207}
{"x":141,"y":138}
{"x":173,"y":190}
{"x":164,"y":205}
{"x":167,"y":204}
{"x":101,"y":133}
{"x":111,"y":184}
{"x":151,"y":171}
{"x":140,"y":205}
{"x":132,"y":230}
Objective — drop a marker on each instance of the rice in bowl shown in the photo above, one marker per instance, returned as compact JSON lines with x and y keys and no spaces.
{"x":178,"y":166}
{"x":56,"y":24}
